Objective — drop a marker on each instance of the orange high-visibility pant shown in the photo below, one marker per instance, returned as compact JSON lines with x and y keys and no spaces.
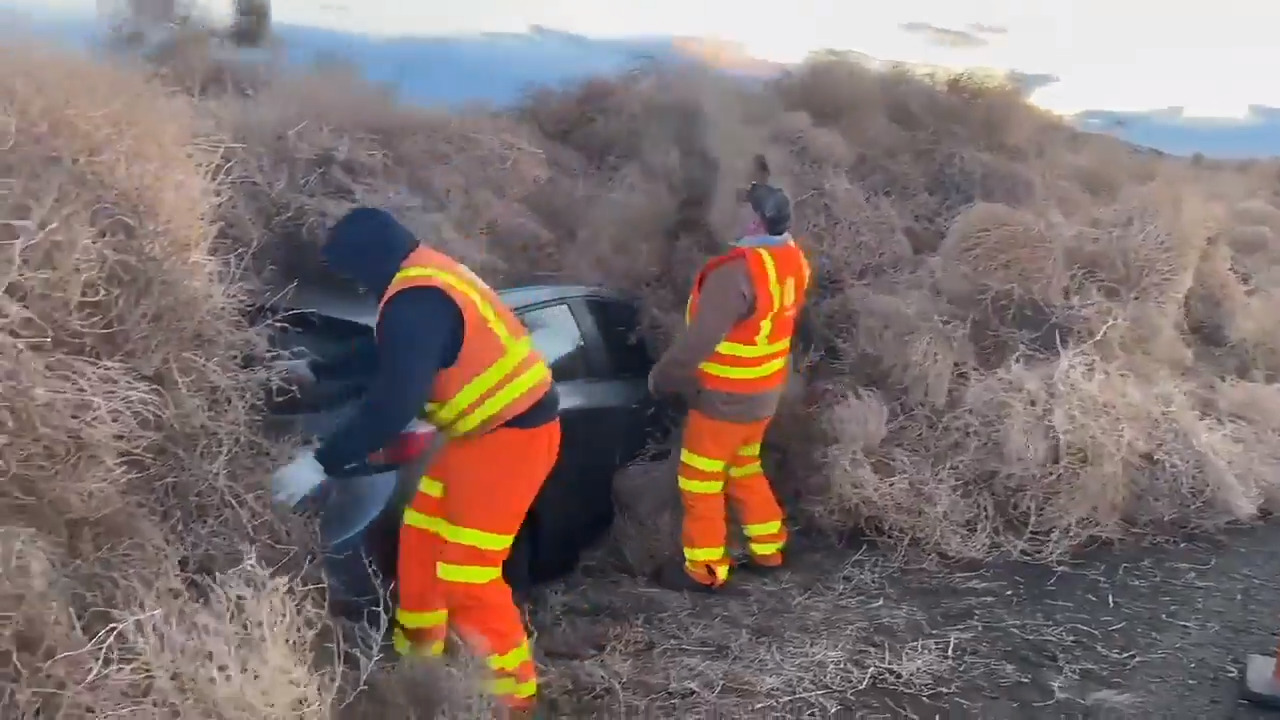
{"x":722,"y":459}
{"x":457,"y":532}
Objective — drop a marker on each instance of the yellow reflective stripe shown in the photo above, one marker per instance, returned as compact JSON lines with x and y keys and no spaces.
{"x":511,"y":660}
{"x":469,"y":574}
{"x":501,"y":399}
{"x":466,"y":287}
{"x":753,"y":469}
{"x":476,"y":538}
{"x":764,"y":528}
{"x":475,"y":388}
{"x":752,"y":450}
{"x":705,"y":464}
{"x":445,"y":414}
{"x":431,"y":487}
{"x":710,"y":554}
{"x":513,"y":688}
{"x":736,"y":373}
{"x":761,"y":348}
{"x":718,"y":566}
{"x":413,"y":518}
{"x":764,"y":548}
{"x":401,"y":643}
{"x":423,"y":619}
{"x":701,"y":487}
{"x":753,"y":351}
{"x":457,"y":534}
{"x":775,"y":293}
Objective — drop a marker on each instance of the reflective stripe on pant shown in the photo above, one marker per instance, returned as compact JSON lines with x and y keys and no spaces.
{"x":722,"y":459}
{"x":457,"y":533}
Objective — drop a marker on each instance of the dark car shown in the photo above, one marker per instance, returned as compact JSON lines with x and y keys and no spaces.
{"x":609,"y":420}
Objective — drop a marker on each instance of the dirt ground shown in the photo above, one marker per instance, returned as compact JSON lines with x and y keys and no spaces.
{"x":1129,"y":632}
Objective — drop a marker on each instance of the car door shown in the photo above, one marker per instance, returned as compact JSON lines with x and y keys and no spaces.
{"x":648,"y":421}
{"x":584,"y":405}
{"x":576,"y":501}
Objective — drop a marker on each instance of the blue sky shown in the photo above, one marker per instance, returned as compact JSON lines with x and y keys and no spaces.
{"x":1109,"y":56}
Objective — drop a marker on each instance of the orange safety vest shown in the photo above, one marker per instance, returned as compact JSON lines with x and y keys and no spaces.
{"x":498,"y":373}
{"x":753,"y":357}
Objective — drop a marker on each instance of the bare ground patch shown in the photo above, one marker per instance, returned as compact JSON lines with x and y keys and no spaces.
{"x":1131,"y":632}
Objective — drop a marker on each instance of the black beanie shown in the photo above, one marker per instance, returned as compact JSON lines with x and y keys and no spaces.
{"x":368,"y":245}
{"x":772,"y":206}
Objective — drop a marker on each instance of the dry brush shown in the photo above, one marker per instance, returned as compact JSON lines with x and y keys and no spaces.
{"x":1025,"y":338}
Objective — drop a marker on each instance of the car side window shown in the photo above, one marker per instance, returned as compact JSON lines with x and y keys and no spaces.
{"x":557,"y":336}
{"x":619,"y":325}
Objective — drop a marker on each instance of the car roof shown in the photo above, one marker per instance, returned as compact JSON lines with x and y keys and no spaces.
{"x":363,"y":309}
{"x":529,"y":295}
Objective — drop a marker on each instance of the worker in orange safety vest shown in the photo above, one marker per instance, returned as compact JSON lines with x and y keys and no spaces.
{"x":451,"y":352}
{"x":731,"y":363}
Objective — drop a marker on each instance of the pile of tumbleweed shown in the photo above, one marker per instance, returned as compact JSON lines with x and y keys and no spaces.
{"x":1027,"y":337}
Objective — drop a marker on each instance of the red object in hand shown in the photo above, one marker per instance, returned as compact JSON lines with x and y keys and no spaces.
{"x":406,"y":447}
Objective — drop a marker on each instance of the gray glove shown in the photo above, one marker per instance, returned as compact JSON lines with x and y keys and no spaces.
{"x":295,"y":481}
{"x":298,"y":370}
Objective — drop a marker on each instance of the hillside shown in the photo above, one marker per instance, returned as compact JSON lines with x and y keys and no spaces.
{"x":1030,"y":340}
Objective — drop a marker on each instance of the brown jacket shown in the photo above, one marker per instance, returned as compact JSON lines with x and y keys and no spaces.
{"x":728,"y":298}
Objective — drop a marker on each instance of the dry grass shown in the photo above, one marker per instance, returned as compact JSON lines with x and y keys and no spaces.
{"x":1027,"y":339}
{"x":138,"y":554}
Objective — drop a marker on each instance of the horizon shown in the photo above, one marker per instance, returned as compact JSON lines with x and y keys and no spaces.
{"x":1101,"y":64}
{"x":1108,"y":56}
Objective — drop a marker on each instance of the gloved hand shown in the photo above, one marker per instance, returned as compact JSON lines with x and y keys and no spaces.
{"x":299,"y":370}
{"x":298,"y":479}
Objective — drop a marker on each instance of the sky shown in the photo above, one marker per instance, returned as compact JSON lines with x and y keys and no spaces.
{"x":1112,"y":55}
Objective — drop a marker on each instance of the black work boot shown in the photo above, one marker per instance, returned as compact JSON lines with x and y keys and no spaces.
{"x":749,"y":564}
{"x":672,"y":576}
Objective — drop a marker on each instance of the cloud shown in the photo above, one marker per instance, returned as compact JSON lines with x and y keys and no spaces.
{"x":944,"y":37}
{"x":1028,"y":83}
{"x":985,"y":29}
